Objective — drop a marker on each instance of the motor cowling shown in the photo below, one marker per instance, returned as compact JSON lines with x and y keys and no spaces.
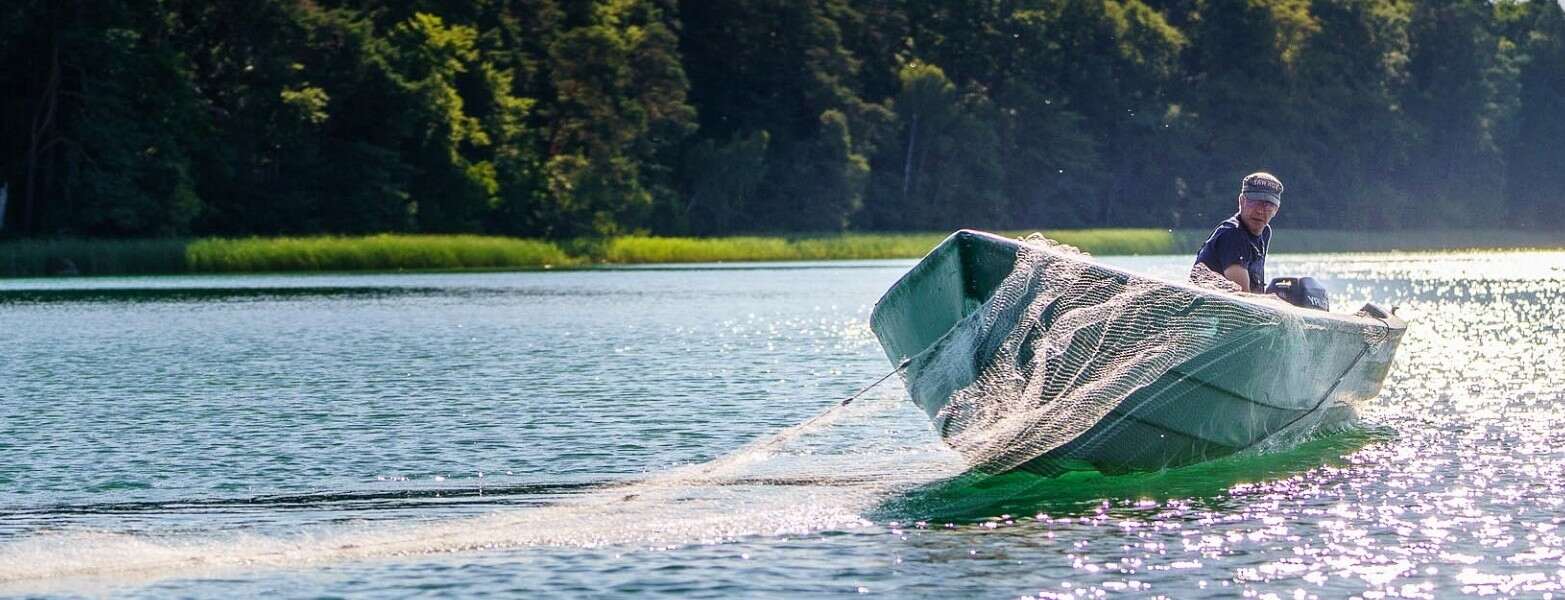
{"x":1300,"y":291}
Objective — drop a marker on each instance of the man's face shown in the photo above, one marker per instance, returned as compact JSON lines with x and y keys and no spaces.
{"x":1255,"y":214}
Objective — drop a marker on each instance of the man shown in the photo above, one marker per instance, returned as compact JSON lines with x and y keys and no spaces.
{"x":1237,"y":249}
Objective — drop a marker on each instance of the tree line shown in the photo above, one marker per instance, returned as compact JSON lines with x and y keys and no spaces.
{"x":563,"y":118}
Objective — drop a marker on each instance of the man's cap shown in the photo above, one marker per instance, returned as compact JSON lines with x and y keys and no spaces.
{"x":1262,"y":186}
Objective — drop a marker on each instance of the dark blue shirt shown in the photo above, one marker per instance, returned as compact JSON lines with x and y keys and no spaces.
{"x":1232,"y":244}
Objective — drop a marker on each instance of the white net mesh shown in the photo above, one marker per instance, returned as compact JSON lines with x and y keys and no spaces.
{"x":1060,"y":344}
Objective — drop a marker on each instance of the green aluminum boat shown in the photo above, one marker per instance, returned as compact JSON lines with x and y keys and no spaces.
{"x":1044,"y":360}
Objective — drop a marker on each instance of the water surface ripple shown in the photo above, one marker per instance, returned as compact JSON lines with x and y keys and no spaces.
{"x":633,"y":432}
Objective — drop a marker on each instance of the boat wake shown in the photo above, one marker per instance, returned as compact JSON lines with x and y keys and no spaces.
{"x":848,"y":468}
{"x":976,"y":497}
{"x":822,"y":475}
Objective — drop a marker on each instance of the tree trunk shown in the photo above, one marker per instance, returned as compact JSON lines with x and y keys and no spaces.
{"x":43,"y":122}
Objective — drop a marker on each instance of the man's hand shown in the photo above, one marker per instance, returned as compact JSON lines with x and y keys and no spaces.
{"x":1239,"y":275}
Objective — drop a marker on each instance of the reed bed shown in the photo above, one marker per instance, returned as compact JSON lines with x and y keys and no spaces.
{"x":35,"y":258}
{"x":1117,"y":241}
{"x":643,"y":249}
{"x":861,"y":246}
{"x":869,"y":246}
{"x":371,"y":253}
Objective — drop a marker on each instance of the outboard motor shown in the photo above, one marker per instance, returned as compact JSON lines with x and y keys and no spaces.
{"x":1300,"y":291}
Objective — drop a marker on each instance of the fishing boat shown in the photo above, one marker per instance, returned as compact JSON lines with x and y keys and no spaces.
{"x":1027,"y":355}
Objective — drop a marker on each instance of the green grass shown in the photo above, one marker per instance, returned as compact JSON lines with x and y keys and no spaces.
{"x":640,"y":249}
{"x":1117,"y":241}
{"x":372,"y":253}
{"x":33,"y":258}
{"x":1106,"y":242}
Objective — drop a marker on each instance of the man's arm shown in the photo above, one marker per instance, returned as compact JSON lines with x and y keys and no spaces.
{"x":1237,"y":273}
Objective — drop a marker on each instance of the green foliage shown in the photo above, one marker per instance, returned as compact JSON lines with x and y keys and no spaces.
{"x":944,"y":166}
{"x":726,"y":182}
{"x":306,"y":121}
{"x":429,"y":61}
{"x":829,"y":185}
{"x":101,"y":122}
{"x":1243,"y":66}
{"x":1452,"y":101}
{"x":1117,"y":137}
{"x":779,"y":68}
{"x":308,"y":102}
{"x":1348,"y":75}
{"x":619,"y":108}
{"x":75,"y":256}
{"x":553,"y":119}
{"x":1536,"y":171}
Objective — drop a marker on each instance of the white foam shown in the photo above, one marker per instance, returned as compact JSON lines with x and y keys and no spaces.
{"x":805,"y":479}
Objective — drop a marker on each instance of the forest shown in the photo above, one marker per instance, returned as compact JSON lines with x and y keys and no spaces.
{"x":562,"y":119}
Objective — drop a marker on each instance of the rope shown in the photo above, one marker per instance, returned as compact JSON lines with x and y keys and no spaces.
{"x":900,"y":367}
{"x":785,"y":435}
{"x":788,"y":433}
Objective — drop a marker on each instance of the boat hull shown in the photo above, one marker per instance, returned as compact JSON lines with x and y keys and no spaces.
{"x":1256,"y":381}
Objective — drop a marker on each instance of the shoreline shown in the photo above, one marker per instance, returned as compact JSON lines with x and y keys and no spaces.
{"x":457,"y":253}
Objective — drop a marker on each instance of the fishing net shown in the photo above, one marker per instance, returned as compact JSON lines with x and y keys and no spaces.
{"x":1059,"y":345}
{"x":822,"y":474}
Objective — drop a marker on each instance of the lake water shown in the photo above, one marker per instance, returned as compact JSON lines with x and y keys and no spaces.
{"x":669,"y":431}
